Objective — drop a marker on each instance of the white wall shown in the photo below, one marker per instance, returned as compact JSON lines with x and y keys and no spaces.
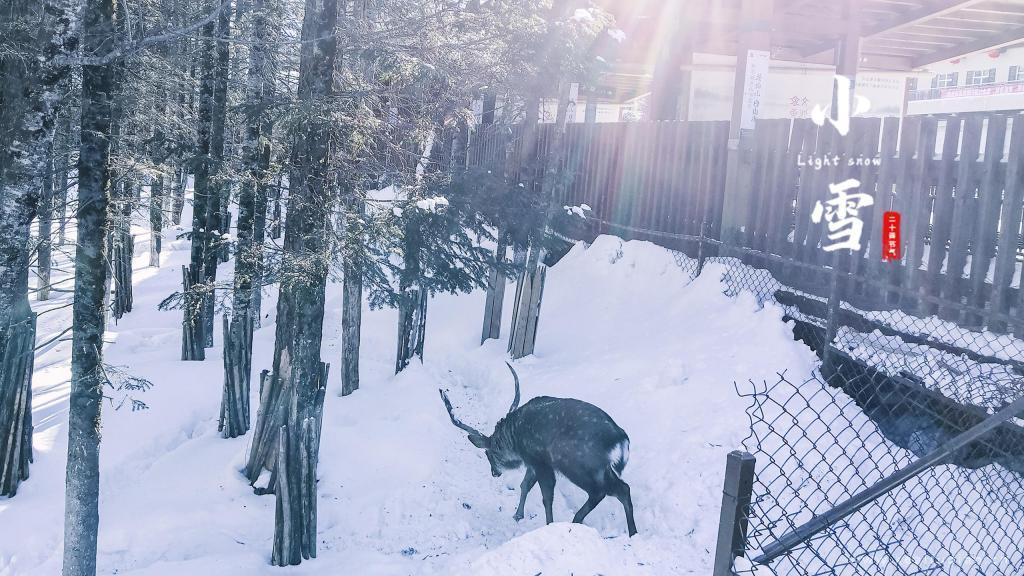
{"x":1002,"y":95}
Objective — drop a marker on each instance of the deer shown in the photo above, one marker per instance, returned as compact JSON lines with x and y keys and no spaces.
{"x":564,"y":435}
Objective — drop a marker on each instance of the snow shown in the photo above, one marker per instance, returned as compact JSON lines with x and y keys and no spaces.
{"x":401,"y":491}
{"x":434,"y":204}
{"x":617,"y":34}
{"x":582,"y":15}
{"x":580,"y":210}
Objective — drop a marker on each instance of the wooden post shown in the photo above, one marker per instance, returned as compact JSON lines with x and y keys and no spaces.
{"x":590,"y":111}
{"x":496,"y":280}
{"x":847,"y":52}
{"x":732,"y":523}
{"x":495,"y":293}
{"x":670,"y":92}
{"x":753,"y":52}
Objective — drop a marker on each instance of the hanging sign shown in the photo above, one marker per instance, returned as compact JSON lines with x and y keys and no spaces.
{"x":754,"y":86}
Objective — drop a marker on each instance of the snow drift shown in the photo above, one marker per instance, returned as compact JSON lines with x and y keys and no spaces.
{"x":401,"y":491}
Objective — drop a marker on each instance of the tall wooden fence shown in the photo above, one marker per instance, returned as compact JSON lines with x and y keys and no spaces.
{"x":957,"y":182}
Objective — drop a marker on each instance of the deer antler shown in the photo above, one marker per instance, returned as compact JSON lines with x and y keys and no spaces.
{"x":515,"y":402}
{"x":458,"y":423}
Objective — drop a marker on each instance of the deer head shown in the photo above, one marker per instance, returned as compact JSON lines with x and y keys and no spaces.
{"x":498,"y":449}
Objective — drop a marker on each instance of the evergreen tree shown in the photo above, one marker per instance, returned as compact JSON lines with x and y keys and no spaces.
{"x":81,"y":508}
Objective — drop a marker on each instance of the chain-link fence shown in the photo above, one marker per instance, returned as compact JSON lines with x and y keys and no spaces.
{"x":878,"y":423}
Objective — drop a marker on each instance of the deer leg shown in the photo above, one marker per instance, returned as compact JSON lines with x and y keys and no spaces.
{"x":524,"y":490}
{"x":546,"y":479}
{"x":593,"y":500}
{"x":621,"y":491}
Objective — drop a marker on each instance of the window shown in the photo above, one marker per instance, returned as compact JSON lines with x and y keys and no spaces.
{"x":1016,"y":74}
{"x":978,"y":77}
{"x":949,"y":80}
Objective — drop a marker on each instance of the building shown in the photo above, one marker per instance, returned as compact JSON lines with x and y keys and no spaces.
{"x":987,"y":81}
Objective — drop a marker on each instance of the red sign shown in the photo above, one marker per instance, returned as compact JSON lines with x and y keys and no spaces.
{"x":891,"y":246}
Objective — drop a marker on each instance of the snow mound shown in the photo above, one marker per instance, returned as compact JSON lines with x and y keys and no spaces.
{"x":555,"y":550}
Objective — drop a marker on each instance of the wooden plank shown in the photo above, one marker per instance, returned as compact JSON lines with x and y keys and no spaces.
{"x":674,"y":206}
{"x":887,"y":175}
{"x":990,"y":196}
{"x":910,"y":133}
{"x":917,"y":212}
{"x":963,"y":197}
{"x":760,"y":183}
{"x":942,"y":218}
{"x":693,"y":138}
{"x":701,"y":177}
{"x":652,"y":186}
{"x":721,"y":131}
{"x":867,"y":151}
{"x":670,"y":168}
{"x":775,"y":194}
{"x":609,"y":172}
{"x":566,"y":192}
{"x":642,"y":161}
{"x":617,"y":175}
{"x":1009,"y":232}
{"x":706,"y":181}
{"x":599,"y":192}
{"x":805,"y":196}
{"x":817,"y":190}
{"x":635,"y":161}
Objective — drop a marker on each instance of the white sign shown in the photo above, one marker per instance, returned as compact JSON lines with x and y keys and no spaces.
{"x":754,"y":86}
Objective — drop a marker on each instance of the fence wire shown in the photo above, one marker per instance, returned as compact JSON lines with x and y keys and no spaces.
{"x":899,"y":377}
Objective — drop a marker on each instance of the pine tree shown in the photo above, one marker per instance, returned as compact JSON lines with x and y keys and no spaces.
{"x":81,"y":508}
{"x":292,"y":404}
{"x":252,"y":204}
{"x":28,"y":83}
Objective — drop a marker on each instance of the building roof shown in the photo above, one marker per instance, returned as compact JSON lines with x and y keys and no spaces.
{"x":896,"y":35}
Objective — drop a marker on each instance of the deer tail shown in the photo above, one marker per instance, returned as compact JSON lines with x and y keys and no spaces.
{"x":618,"y":457}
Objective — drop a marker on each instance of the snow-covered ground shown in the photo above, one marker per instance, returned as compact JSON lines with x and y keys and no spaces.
{"x":401,"y":491}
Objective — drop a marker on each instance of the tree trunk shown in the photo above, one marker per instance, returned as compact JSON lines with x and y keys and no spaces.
{"x":351,"y":326}
{"x":192,"y":322}
{"x":234,"y":404}
{"x":44,"y":217}
{"x":122,"y":249}
{"x":412,"y":304}
{"x":530,"y":289}
{"x":259,"y":226}
{"x":206,"y":196}
{"x":248,"y":253}
{"x":178,"y":194}
{"x":352,"y":234}
{"x":27,"y":117}
{"x":62,"y":183}
{"x":17,"y":353}
{"x":276,"y":216}
{"x":412,"y":327}
{"x":495,"y":294}
{"x":526,"y":311}
{"x":287,"y":437}
{"x":156,"y":219}
{"x":217,"y":220}
{"x":81,"y":512}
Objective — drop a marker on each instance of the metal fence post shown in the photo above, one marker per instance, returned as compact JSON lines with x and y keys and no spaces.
{"x":834,"y":305}
{"x":701,"y":256}
{"x":732,"y":524}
